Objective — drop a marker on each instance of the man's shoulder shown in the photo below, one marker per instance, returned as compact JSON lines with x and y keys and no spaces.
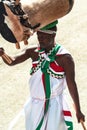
{"x":65,"y":60}
{"x":68,"y":60}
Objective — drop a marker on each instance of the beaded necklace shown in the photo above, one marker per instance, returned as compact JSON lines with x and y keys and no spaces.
{"x":45,"y":59}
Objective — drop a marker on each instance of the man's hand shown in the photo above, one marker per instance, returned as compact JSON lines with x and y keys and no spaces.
{"x":1,"y":51}
{"x":80,"y":116}
{"x":5,"y":57}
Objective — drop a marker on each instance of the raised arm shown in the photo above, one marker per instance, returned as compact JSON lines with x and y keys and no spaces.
{"x":17,"y":59}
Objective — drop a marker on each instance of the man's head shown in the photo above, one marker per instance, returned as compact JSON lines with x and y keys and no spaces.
{"x":46,"y":37}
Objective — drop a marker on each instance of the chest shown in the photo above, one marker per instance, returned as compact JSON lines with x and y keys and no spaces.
{"x":54,"y":69}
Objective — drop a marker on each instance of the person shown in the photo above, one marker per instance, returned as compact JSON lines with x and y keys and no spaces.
{"x":53,"y":69}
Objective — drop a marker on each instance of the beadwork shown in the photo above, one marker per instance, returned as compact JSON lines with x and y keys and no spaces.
{"x":42,"y":57}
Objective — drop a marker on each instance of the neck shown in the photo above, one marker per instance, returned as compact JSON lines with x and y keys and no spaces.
{"x":49,"y":48}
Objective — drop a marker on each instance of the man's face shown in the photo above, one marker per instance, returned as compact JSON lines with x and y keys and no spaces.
{"x":45,"y":40}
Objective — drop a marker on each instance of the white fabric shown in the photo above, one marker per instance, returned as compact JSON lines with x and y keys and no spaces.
{"x":34,"y":107}
{"x":62,"y":50}
{"x":54,"y":119}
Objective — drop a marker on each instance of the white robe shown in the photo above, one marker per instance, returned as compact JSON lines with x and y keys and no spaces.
{"x":34,"y":109}
{"x":58,"y":111}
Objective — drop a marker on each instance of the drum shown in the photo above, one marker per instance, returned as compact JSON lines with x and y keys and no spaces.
{"x":45,"y":11}
{"x":20,"y":19}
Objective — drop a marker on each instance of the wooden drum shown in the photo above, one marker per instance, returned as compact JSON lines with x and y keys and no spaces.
{"x":46,"y":11}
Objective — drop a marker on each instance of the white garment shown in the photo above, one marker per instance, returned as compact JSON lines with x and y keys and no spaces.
{"x":34,"y":109}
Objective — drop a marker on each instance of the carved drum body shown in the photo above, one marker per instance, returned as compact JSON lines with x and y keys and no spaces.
{"x":46,"y":11}
{"x":39,"y":12}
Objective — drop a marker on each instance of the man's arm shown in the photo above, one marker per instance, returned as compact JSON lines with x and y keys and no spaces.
{"x":69,"y":67}
{"x":17,"y":59}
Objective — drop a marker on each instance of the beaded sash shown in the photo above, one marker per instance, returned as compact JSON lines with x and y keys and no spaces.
{"x":47,"y":59}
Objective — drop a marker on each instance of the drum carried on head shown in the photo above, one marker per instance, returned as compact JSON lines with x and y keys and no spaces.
{"x":45,"y":11}
{"x":26,"y":15}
